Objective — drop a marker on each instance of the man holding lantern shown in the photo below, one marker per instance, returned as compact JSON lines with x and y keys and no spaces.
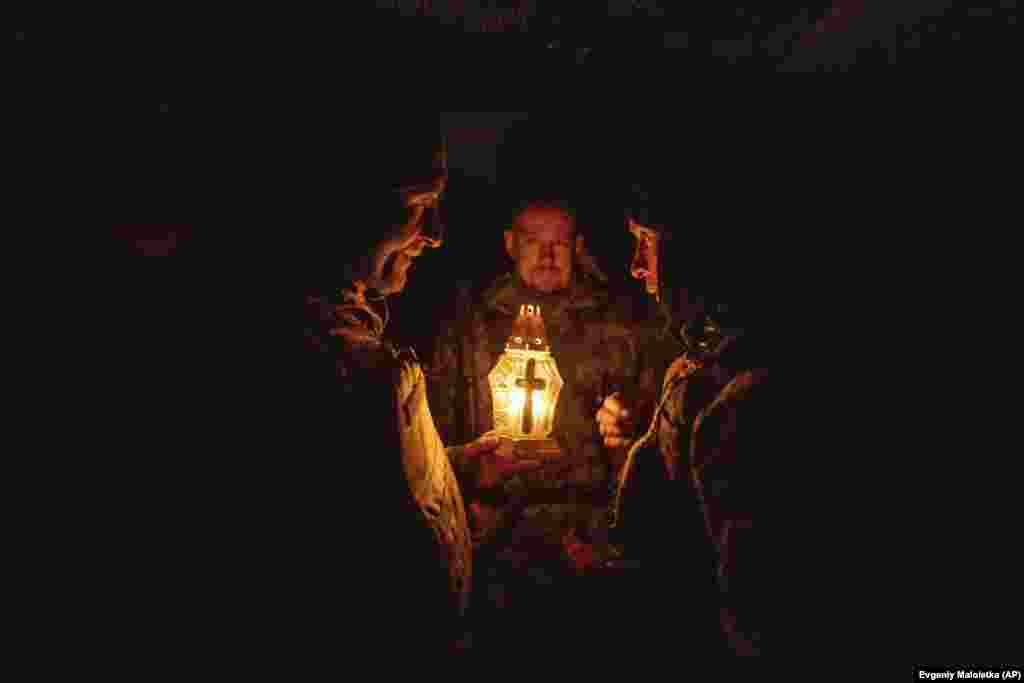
{"x":542,"y":530}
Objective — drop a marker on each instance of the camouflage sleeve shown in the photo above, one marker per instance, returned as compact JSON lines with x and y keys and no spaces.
{"x":413,"y":581}
{"x":730,"y":446}
{"x":351,"y":408}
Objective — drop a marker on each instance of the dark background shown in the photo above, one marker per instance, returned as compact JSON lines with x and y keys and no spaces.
{"x":243,"y":93}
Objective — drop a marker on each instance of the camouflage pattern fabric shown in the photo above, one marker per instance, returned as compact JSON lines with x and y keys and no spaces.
{"x":729,"y":450}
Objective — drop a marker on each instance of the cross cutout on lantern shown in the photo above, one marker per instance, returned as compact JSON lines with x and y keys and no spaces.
{"x":525,"y":382}
{"x":530,"y":383}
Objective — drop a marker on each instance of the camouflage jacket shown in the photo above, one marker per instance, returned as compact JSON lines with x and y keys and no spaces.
{"x":403,"y":487}
{"x":596,"y":352}
{"x":712,"y":434}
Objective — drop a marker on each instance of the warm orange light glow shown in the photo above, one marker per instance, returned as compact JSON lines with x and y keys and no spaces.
{"x":517,"y":399}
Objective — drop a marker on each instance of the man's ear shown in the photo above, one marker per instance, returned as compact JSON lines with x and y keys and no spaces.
{"x":510,"y":244}
{"x":579,"y":246}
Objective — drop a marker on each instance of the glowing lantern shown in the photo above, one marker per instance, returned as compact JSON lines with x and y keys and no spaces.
{"x":525,"y":383}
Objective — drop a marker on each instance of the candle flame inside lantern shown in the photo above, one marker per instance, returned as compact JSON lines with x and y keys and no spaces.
{"x":518,"y":400}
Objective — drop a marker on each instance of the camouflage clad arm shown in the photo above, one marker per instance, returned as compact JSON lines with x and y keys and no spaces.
{"x":731,"y":448}
{"x":354,"y":386}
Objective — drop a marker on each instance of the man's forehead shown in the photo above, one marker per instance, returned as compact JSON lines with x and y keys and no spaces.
{"x":544,"y":218}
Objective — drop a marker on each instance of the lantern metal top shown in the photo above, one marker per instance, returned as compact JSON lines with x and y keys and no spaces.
{"x":528,"y":333}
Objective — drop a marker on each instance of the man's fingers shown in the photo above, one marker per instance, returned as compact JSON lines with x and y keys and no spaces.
{"x":484,"y":444}
{"x":612,"y":430}
{"x":612,"y":404}
{"x":616,"y":442}
{"x":617,"y":430}
{"x":616,"y":404}
{"x":614,"y":407}
{"x":609,"y":419}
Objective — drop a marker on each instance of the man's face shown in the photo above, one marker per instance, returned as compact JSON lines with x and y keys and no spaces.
{"x":393,"y":257}
{"x":541,"y":242}
{"x":645,"y":257}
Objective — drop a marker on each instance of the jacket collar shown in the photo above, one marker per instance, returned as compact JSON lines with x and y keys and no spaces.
{"x":509,"y":292}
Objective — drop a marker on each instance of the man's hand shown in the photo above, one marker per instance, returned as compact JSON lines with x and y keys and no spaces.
{"x":615,"y":422}
{"x":496,"y":460}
